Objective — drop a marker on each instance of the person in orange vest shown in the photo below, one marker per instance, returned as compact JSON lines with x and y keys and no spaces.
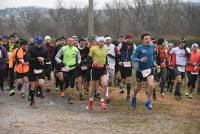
{"x":19,"y":62}
{"x":192,"y":70}
{"x":163,"y":62}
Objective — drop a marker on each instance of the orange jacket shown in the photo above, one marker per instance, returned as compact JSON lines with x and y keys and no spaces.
{"x":20,"y":67}
{"x":163,"y":56}
{"x":194,"y":58}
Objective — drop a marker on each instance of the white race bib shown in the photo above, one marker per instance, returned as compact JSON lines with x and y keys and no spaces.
{"x":83,"y":68}
{"x":194,"y":73}
{"x":48,"y":63}
{"x":38,"y":71}
{"x":65,"y":69}
{"x":181,"y":69}
{"x":127,"y":64}
{"x":112,"y":66}
{"x":146,"y":73}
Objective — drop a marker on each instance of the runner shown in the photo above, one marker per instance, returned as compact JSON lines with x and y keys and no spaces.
{"x":3,"y":57}
{"x":83,"y":71}
{"x":126,"y":50}
{"x":144,"y":56}
{"x":49,"y":65}
{"x":19,"y":61}
{"x":98,"y":55}
{"x":163,"y":62}
{"x":71,"y":59}
{"x":182,"y":54}
{"x":192,"y":70}
{"x":58,"y":74}
{"x":13,"y":44}
{"x":113,"y":53}
{"x":38,"y":56}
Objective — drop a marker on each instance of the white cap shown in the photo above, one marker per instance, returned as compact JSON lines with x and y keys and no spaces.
{"x":194,"y":45}
{"x":108,"y":38}
{"x":75,"y":37}
{"x":165,"y":43}
{"x":99,"y":39}
{"x":47,"y":37}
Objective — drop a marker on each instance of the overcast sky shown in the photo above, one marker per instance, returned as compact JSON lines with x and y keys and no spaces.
{"x":49,"y":3}
{"x":52,"y":3}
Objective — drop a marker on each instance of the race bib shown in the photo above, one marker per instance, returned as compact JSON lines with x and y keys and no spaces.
{"x":112,"y":66}
{"x":38,"y":71}
{"x":48,"y":63}
{"x":194,"y":73}
{"x":181,"y":69}
{"x":65,"y":69}
{"x":84,"y":68}
{"x":146,"y":73}
{"x":127,"y":64}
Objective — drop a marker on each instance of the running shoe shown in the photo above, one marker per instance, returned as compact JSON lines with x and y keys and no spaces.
{"x":190,"y":96}
{"x":103,"y":105}
{"x":121,"y":91}
{"x":81,"y":97}
{"x":12,"y":92}
{"x":70,"y":100}
{"x":90,"y":105}
{"x":128,"y":98}
{"x":186,"y":94}
{"x":23,"y":95}
{"x":57,"y":89}
{"x":62,"y":94}
{"x":162,"y":94}
{"x":148,"y":105}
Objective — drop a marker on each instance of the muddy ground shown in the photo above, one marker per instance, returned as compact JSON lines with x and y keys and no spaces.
{"x":54,"y":116}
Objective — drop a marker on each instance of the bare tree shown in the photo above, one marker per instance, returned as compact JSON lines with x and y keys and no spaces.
{"x":90,"y":18}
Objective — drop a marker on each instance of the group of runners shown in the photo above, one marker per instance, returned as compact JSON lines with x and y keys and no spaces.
{"x":95,"y":66}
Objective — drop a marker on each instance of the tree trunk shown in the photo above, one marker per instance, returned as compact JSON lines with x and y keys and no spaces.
{"x":90,"y":19}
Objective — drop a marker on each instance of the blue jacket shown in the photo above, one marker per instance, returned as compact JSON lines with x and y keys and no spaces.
{"x":144,"y":51}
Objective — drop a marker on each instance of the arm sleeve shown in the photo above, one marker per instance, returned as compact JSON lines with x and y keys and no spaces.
{"x":135,"y":56}
{"x":78,"y":57}
{"x":91,"y":53}
{"x":58,"y":56}
{"x":119,"y":46}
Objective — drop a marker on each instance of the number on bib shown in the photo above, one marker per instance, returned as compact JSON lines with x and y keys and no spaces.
{"x":127,"y":64}
{"x":112,"y":66}
{"x":38,"y":71}
{"x":181,"y":69}
{"x":65,"y":69}
{"x":146,"y":73}
{"x":84,"y":68}
{"x":194,"y":73}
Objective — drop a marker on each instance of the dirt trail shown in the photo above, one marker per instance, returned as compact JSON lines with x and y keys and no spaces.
{"x":54,"y":116}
